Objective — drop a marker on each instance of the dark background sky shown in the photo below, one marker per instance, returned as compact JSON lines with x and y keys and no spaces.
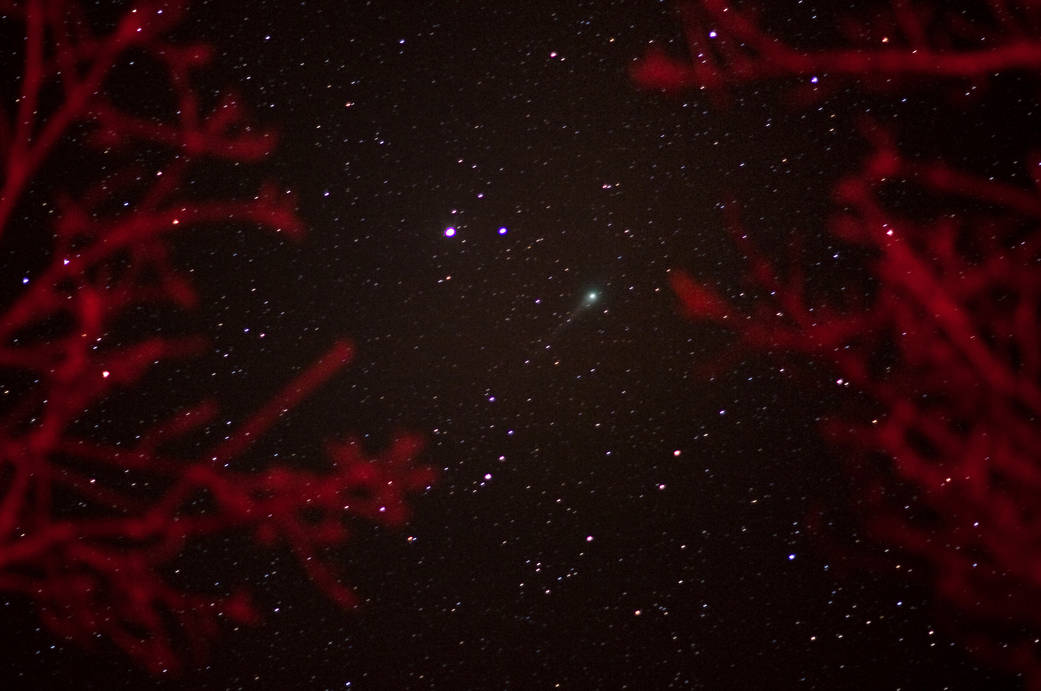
{"x":641,"y":527}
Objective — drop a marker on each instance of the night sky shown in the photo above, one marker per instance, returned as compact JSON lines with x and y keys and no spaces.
{"x":493,"y":211}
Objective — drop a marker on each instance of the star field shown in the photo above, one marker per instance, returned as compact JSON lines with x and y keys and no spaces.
{"x":493,"y":211}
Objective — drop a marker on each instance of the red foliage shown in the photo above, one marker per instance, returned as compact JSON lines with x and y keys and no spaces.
{"x":728,"y":47}
{"x":90,"y":529}
{"x":947,"y":340}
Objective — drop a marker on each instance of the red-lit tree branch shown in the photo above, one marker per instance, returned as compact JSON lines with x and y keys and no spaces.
{"x":728,"y":46}
{"x":942,"y":332}
{"x":91,"y":524}
{"x":949,"y":347}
